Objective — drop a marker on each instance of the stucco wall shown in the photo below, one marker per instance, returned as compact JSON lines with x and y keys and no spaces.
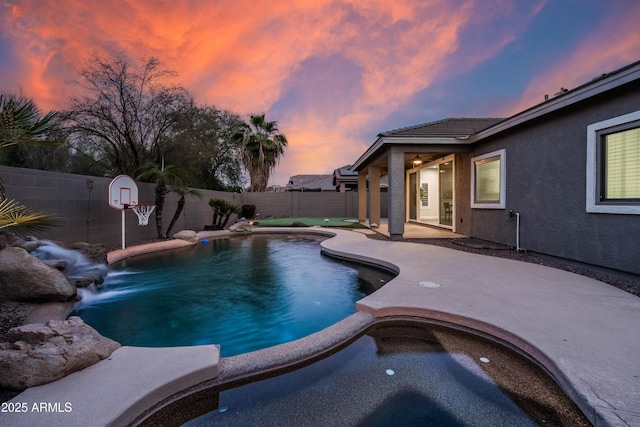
{"x":546,"y":184}
{"x":86,"y":216}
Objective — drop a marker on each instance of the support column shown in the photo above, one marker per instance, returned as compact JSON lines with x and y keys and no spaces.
{"x":395,"y":194}
{"x":362,"y":196}
{"x":374,"y":195}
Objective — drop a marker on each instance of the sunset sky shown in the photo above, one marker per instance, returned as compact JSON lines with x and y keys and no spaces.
{"x":333,"y":74}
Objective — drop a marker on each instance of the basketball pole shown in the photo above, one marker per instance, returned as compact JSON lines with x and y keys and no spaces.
{"x":123,"y":210}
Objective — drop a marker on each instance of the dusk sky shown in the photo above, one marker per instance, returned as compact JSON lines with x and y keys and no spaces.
{"x":333,"y":74}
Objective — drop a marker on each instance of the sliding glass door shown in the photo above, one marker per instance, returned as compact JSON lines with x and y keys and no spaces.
{"x":431,"y":193}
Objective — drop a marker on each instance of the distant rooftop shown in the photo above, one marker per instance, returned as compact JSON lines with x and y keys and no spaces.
{"x":310,"y":182}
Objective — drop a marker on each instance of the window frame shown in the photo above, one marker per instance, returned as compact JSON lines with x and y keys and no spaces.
{"x":595,"y":166}
{"x":501,"y":202}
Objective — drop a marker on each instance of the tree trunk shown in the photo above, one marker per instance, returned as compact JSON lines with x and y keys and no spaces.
{"x":176,"y":215}
{"x":226,"y":219}
{"x":214,"y":222}
{"x":161,"y":191}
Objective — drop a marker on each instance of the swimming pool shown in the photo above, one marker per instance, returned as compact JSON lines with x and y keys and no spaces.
{"x":403,"y":372}
{"x":245,"y":293}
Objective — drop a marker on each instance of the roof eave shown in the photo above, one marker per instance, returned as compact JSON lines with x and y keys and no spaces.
{"x":404,"y":140}
{"x":579,"y":94}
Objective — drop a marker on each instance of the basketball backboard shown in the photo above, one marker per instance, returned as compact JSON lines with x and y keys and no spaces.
{"x":123,"y":192}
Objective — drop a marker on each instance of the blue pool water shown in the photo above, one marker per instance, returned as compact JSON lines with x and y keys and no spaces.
{"x":245,"y":293}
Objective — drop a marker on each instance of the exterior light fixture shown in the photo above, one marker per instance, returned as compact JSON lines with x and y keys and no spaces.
{"x":417,"y":161}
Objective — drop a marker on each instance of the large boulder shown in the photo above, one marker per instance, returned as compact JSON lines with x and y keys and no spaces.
{"x":28,"y":243}
{"x":241,"y":225}
{"x":26,"y":278}
{"x":7,"y":238}
{"x":187,"y":235}
{"x":41,"y":353}
{"x":96,"y":252}
{"x":74,"y":263}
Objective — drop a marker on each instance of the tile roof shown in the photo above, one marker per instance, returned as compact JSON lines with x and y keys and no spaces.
{"x":344,"y":173}
{"x":451,"y":127}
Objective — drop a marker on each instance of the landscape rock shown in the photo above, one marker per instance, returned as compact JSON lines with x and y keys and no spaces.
{"x":96,"y":252}
{"x":38,"y":354}
{"x":28,"y":243}
{"x":241,"y":226}
{"x":26,"y":278}
{"x":7,"y":238}
{"x":74,"y":263}
{"x":58,"y":264}
{"x":187,"y":235}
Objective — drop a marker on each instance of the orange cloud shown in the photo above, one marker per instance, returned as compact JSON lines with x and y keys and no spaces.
{"x":239,"y":54}
{"x":251,"y":57}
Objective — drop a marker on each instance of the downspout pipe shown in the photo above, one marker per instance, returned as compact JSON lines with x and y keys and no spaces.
{"x":517,"y":214}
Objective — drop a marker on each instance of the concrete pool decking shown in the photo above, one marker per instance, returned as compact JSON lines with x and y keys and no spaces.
{"x":584,"y":332}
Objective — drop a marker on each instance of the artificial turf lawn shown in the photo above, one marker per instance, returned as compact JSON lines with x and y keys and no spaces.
{"x":310,"y":221}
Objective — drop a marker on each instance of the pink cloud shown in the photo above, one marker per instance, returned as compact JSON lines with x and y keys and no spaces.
{"x":242,"y":55}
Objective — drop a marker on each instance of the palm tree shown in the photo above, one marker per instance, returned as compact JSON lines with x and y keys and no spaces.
{"x":163,"y":177}
{"x":262,"y":147}
{"x":182,"y":191}
{"x":22,"y":123}
{"x":222,"y":211}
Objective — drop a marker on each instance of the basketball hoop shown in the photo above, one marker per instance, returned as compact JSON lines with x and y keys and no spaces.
{"x":143,"y":212}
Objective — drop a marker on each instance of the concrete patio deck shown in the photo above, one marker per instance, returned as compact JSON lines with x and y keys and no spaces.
{"x":584,"y":332}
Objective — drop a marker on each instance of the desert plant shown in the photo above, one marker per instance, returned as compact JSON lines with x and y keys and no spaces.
{"x":222,"y":211}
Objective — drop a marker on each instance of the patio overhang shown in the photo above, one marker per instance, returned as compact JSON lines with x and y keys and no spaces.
{"x":428,"y":149}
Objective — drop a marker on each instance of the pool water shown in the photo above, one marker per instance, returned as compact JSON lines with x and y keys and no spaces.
{"x":402,"y":374}
{"x":244,"y":293}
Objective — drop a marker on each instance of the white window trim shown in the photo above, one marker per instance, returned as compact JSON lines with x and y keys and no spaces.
{"x":592,"y":166}
{"x":503,"y":180}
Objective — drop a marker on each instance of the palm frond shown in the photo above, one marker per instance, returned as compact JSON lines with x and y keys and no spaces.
{"x":22,"y":122}
{"x":22,"y":220}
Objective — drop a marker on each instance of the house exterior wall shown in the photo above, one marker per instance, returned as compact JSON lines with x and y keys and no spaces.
{"x":462,"y":205}
{"x":546,"y":184}
{"x":87,"y":216}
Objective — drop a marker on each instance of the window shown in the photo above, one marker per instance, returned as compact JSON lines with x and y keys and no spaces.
{"x":424,"y":194}
{"x":613,"y":165}
{"x":488,"y":180}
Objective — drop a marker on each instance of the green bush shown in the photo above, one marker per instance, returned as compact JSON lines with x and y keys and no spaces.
{"x":222,"y":211}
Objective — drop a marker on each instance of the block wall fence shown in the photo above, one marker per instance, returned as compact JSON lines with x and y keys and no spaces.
{"x":86,"y":216}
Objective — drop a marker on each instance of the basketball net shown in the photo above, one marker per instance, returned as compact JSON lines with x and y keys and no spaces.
{"x":143,"y":212}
